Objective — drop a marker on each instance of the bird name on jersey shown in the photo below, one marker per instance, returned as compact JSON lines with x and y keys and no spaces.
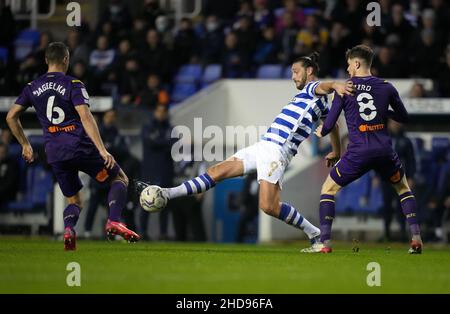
{"x":235,"y":303}
{"x":49,"y":85}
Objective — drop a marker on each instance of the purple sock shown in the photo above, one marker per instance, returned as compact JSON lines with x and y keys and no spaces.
{"x":117,"y":198}
{"x":71,"y":214}
{"x":408,"y":202}
{"x":327,"y":213}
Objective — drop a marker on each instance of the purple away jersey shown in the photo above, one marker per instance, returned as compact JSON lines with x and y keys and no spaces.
{"x":370,"y":145}
{"x":54,"y":97}
{"x":366,"y":114}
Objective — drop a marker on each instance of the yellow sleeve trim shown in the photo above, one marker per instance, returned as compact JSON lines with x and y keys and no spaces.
{"x":76,"y":81}
{"x":406,"y":197}
{"x":337,"y":171}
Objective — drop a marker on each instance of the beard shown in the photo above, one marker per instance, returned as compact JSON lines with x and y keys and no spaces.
{"x":301,"y":83}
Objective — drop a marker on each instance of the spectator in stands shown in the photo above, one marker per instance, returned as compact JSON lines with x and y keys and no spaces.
{"x":79,"y":71}
{"x":157,"y":163}
{"x":165,"y":30}
{"x":245,"y":10}
{"x":404,"y":148}
{"x":250,"y":206}
{"x":443,"y":82}
{"x":287,"y":39}
{"x":39,"y":53}
{"x":311,"y":38}
{"x":130,"y":82}
{"x":247,"y":37}
{"x":153,"y":94}
{"x":351,"y":13}
{"x":267,"y":50}
{"x":384,"y":65}
{"x":417,"y":91}
{"x":138,"y":33}
{"x":187,"y":210}
{"x":368,"y":32}
{"x":336,"y":45}
{"x":78,"y":51}
{"x":115,"y":144}
{"x":235,"y":62}
{"x":399,"y":26}
{"x":185,"y":43}
{"x":426,"y":55}
{"x":101,"y":61}
{"x":291,"y":7}
{"x":262,"y":17}
{"x":9,"y":179}
{"x":442,"y":10}
{"x":212,"y":41}
{"x":151,"y":11}
{"x":155,"y":58}
{"x":29,"y":70}
{"x":119,"y":17}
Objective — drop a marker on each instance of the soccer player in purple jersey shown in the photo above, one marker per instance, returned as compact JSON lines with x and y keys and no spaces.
{"x":72,"y":142}
{"x":370,"y":146}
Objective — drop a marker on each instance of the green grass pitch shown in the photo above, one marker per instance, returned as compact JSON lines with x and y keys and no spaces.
{"x":38,"y":265}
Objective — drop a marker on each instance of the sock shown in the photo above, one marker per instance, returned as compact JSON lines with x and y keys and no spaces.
{"x":117,"y":198}
{"x":71,"y":214}
{"x":327,"y":213}
{"x":408,"y":203}
{"x":197,"y":185}
{"x":292,"y":217}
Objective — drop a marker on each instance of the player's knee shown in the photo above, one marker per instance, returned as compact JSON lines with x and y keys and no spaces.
{"x":122,"y":177}
{"x":269,"y":208}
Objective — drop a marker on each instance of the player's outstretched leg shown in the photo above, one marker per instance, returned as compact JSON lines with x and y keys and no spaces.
{"x":71,"y":215}
{"x":229,"y":168}
{"x":269,"y":202}
{"x":409,"y":208}
{"x":117,"y":198}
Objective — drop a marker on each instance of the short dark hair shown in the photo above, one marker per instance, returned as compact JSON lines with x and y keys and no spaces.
{"x":310,"y":61}
{"x":56,"y":52}
{"x":362,"y":52}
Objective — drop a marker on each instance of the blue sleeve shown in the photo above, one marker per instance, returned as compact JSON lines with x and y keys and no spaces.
{"x":311,"y":88}
{"x":24,"y":98}
{"x":399,"y":113}
{"x":333,"y":115}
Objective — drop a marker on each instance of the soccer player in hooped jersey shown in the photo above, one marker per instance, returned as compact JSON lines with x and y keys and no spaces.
{"x":272,"y":154}
{"x":72,"y":142}
{"x":370,"y":145}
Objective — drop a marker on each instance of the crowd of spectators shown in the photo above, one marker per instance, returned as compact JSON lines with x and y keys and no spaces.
{"x":135,"y":58}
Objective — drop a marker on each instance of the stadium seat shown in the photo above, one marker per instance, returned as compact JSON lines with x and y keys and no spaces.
{"x":212,"y":73}
{"x":25,"y":42}
{"x":440,"y":145}
{"x":4,"y":54}
{"x":182,"y":90}
{"x":287,"y":72}
{"x":189,"y":73}
{"x":269,"y":71}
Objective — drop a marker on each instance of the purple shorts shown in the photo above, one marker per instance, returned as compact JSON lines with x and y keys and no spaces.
{"x":352,"y":166}
{"x":66,"y":172}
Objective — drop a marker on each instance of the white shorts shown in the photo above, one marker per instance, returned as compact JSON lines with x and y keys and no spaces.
{"x":268,"y":159}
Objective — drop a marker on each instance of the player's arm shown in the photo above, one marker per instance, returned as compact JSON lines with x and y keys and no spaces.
{"x":342,"y":88}
{"x":13,"y":120}
{"x":91,"y":128}
{"x":332,"y":117}
{"x":399,"y":113}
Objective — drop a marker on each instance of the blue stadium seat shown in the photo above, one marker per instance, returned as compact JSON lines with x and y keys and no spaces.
{"x":189,"y":73}
{"x":25,"y":42}
{"x":212,"y":73}
{"x":269,"y":71}
{"x":4,"y":54}
{"x":440,"y":145}
{"x":181,"y":91}
{"x":39,"y":184}
{"x":287,"y":72}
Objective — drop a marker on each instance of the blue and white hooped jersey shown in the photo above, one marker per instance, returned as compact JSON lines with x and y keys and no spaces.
{"x":295,"y":122}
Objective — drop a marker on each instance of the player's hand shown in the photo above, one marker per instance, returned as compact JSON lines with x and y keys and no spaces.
{"x":27,"y":153}
{"x":108,"y":158}
{"x":346,"y":88}
{"x":318,"y":131}
{"x":331,"y":159}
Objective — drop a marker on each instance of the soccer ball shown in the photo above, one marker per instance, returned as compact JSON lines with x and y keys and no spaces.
{"x":153,"y":198}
